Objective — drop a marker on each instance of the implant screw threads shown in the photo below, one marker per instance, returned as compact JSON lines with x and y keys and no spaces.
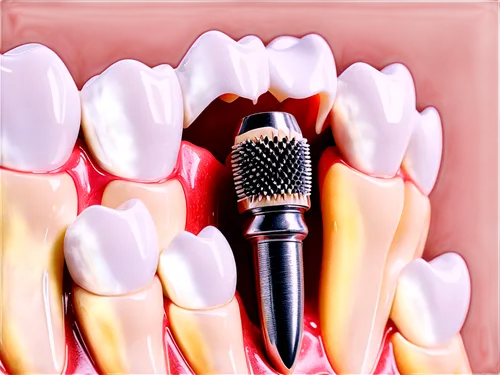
{"x":272,"y":177}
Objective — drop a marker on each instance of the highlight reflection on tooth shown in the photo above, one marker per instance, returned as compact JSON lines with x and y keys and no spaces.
{"x":112,"y":251}
{"x":132,"y":120}
{"x":303,"y":67}
{"x":112,"y":255}
{"x":34,"y":214}
{"x":423,"y":156}
{"x":373,"y":117}
{"x":166,"y":203}
{"x":432,"y":300}
{"x":199,"y":277}
{"x":40,"y":110}
{"x":360,"y":218}
{"x":216,"y":65}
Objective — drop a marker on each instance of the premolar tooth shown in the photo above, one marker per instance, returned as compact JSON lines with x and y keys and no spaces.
{"x":216,"y":65}
{"x":40,"y":110}
{"x":423,"y":156}
{"x":374,"y":116}
{"x":132,"y":119}
{"x":360,"y":218}
{"x":199,"y":276}
{"x":303,"y":67}
{"x":199,"y":272}
{"x":112,"y":252}
{"x":432,"y":300}
{"x":112,"y":255}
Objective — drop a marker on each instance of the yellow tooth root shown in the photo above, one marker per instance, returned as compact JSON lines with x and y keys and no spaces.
{"x":411,"y":359}
{"x":35,"y":212}
{"x":124,"y":334}
{"x":360,"y":218}
{"x":166,"y":203}
{"x":211,"y":340}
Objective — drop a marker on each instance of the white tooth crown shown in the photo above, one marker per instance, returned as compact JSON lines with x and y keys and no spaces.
{"x":303,"y":67}
{"x":40,"y":110}
{"x":373,"y":117}
{"x":432,"y":300}
{"x":199,"y":272}
{"x":423,"y":156}
{"x":112,"y":251}
{"x":216,"y":65}
{"x":132,"y":119}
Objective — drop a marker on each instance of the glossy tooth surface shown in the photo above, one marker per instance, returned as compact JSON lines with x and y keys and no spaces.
{"x":423,"y":156}
{"x":124,"y":334}
{"x":132,"y":120}
{"x":449,"y":359}
{"x":198,"y":272}
{"x":112,"y":251}
{"x":432,"y":300}
{"x":165,"y":202}
{"x":34,"y":214}
{"x":40,"y":110}
{"x":216,"y":65}
{"x":303,"y":67}
{"x":211,"y":340}
{"x":373,"y":117}
{"x":356,"y":243}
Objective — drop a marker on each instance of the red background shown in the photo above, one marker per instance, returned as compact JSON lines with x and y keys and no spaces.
{"x":450,"y":48}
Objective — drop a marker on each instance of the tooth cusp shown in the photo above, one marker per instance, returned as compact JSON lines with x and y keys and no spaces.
{"x":112,"y":252}
{"x":264,"y":168}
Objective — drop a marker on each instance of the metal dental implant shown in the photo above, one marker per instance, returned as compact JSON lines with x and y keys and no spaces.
{"x":272,"y":177}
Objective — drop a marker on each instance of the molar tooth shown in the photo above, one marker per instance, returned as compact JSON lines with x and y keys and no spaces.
{"x":112,"y":255}
{"x":373,"y":117}
{"x":432,"y":300}
{"x":112,"y":252}
{"x":216,"y":65}
{"x":199,"y":276}
{"x":302,"y":67}
{"x":132,"y":119}
{"x":40,"y":110}
{"x":423,"y":156}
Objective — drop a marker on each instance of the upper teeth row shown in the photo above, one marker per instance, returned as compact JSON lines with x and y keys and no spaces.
{"x":132,"y":115}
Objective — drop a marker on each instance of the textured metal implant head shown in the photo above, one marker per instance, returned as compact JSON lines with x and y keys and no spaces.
{"x":271,"y":162}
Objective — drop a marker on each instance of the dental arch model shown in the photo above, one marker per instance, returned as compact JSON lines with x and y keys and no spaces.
{"x":386,"y":160}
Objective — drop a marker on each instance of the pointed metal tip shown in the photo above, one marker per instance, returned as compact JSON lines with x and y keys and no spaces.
{"x":286,"y":352}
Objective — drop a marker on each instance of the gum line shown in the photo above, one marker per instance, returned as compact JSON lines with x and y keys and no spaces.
{"x":204,"y":207}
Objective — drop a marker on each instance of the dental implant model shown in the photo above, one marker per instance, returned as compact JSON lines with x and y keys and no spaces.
{"x":112,"y":255}
{"x":272,"y":177}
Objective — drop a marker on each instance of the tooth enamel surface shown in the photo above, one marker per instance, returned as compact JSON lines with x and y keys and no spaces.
{"x":211,"y":340}
{"x":198,"y":272}
{"x":432,"y":300}
{"x":449,"y":359}
{"x":303,"y":67}
{"x":124,"y":334}
{"x":216,"y":65}
{"x":165,"y":202}
{"x":373,"y":117}
{"x":132,"y":120}
{"x":40,"y":110}
{"x":423,"y":156}
{"x":356,"y":241}
{"x":112,"y":251}
{"x":34,"y":214}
